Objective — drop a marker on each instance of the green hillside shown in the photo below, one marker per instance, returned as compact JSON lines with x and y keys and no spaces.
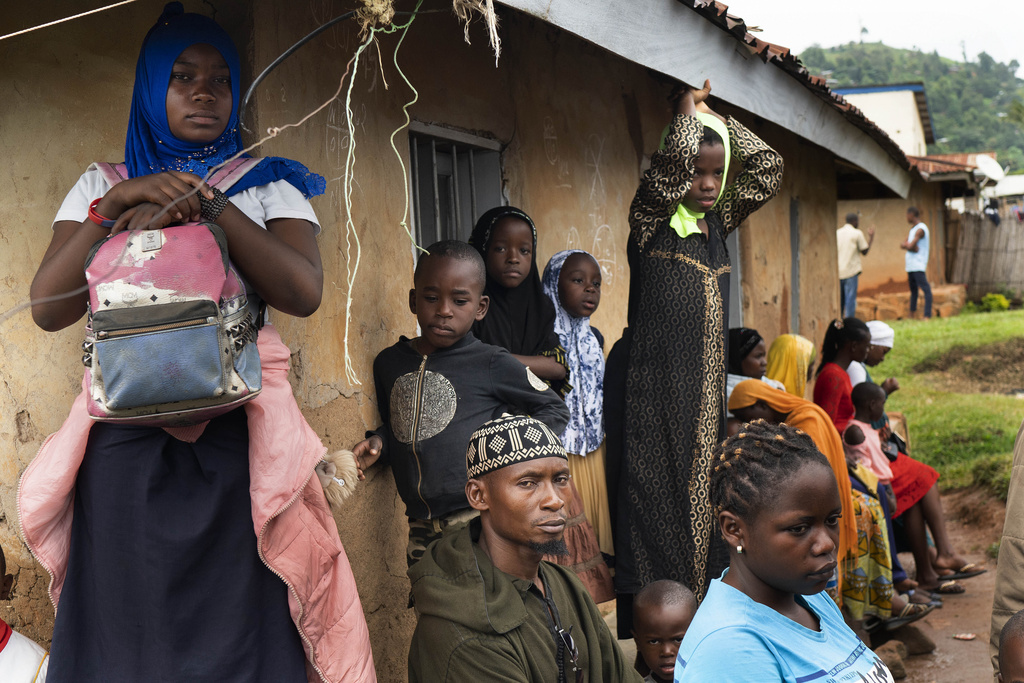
{"x":975,"y":106}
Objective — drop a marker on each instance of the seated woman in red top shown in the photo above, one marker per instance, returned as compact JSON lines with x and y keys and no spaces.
{"x":846,"y":341}
{"x":914,"y":483}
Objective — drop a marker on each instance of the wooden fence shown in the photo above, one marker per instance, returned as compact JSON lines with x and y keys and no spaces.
{"x":988,"y":258}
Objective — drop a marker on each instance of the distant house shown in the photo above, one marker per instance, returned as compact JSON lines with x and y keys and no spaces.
{"x":1010,"y":189}
{"x":901,"y":110}
{"x":563,"y":126}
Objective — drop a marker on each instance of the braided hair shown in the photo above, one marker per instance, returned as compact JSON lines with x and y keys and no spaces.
{"x":838,"y":334}
{"x":749,"y":468}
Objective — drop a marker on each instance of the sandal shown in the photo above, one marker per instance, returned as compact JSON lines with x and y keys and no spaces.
{"x":946,"y":588}
{"x":922,"y":597}
{"x":967,"y":571}
{"x":910,"y":613}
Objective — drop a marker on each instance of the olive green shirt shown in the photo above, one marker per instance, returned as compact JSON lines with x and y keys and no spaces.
{"x":477,"y":623}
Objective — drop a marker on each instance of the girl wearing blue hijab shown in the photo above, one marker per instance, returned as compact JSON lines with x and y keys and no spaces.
{"x":164,"y":578}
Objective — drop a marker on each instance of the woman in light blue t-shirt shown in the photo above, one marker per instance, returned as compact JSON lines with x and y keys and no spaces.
{"x":767,"y":618}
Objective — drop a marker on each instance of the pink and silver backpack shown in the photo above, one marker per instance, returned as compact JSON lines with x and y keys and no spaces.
{"x":171,"y":337}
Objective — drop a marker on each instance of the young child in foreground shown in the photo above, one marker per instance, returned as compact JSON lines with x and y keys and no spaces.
{"x":767,"y":618}
{"x":21,"y":660}
{"x":1011,"y":650}
{"x":662,"y":611}
{"x":435,"y":390}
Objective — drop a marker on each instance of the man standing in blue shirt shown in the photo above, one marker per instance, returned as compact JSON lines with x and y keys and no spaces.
{"x":916,"y":246}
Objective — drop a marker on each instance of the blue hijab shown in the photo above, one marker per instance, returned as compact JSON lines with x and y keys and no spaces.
{"x":149,"y":145}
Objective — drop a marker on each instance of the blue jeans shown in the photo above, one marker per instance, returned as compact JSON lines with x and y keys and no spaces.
{"x":848,"y":296}
{"x":917,"y":279}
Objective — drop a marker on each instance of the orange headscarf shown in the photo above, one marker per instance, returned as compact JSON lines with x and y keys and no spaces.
{"x":808,"y":417}
{"x":788,"y":360}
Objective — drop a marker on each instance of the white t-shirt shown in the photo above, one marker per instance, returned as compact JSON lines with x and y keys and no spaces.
{"x":279,"y":199}
{"x":917,"y":261}
{"x":23,"y":661}
{"x":857,"y":372}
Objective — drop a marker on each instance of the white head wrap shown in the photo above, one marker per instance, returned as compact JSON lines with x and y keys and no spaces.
{"x":881,"y":334}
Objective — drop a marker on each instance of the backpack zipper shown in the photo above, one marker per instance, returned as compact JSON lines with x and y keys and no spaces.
{"x":195,"y":322}
{"x":417,"y":406}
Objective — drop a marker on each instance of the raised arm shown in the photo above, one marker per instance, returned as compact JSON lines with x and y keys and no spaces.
{"x":668,"y":179}
{"x":757,"y":183}
{"x":867,"y":245}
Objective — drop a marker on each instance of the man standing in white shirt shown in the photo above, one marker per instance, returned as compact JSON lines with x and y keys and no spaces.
{"x":852,"y":246}
{"x":916,"y":246}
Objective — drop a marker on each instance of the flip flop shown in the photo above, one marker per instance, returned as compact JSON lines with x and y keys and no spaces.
{"x":929,"y":599}
{"x":965,"y":572}
{"x":946,"y":588}
{"x":911,"y":612}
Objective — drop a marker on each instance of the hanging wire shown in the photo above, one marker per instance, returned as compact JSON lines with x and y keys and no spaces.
{"x":283,"y":56}
{"x":310,"y":36}
{"x":61,"y":21}
{"x":405,"y":111}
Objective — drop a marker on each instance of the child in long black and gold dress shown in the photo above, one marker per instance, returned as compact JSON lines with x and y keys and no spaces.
{"x":675,"y":390}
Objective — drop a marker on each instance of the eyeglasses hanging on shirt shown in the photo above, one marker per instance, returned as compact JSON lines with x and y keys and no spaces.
{"x":565,"y":646}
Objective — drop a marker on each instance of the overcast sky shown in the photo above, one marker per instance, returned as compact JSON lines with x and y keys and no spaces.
{"x":992,"y":26}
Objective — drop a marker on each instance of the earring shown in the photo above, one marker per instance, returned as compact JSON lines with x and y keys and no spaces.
{"x":739,"y":550}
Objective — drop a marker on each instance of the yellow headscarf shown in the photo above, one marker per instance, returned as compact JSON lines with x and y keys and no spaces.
{"x":788,"y":360}
{"x":810,"y":418}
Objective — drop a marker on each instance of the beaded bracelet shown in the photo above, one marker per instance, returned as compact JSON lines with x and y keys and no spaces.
{"x":98,"y":219}
{"x":210,"y":209}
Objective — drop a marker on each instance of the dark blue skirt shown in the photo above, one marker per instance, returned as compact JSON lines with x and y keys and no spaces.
{"x":164,"y":581}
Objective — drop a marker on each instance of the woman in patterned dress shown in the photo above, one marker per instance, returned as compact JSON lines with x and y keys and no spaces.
{"x":675,"y":389}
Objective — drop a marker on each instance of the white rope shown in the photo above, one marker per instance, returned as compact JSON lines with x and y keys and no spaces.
{"x":61,"y":21}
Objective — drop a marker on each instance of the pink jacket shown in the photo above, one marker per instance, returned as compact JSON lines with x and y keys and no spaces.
{"x":298,"y":538}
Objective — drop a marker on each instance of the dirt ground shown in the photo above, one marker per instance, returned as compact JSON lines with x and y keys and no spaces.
{"x":992,"y":368}
{"x":975,"y":522}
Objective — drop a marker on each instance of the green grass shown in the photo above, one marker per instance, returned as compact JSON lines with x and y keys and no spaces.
{"x":967,"y":437}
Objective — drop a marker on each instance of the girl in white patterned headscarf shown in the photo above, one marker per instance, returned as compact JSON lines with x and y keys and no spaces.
{"x":572,"y":279}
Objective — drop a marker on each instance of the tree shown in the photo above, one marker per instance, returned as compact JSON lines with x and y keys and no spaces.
{"x":975,"y":106}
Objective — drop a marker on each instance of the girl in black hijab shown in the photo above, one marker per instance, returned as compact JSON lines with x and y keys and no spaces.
{"x":521,"y":317}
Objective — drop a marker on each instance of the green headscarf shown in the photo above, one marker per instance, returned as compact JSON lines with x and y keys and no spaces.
{"x":684,"y":221}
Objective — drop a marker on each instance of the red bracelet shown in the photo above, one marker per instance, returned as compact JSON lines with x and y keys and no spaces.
{"x":98,"y":219}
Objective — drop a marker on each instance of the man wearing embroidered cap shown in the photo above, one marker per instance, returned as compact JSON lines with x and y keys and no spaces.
{"x":489,"y":608}
{"x":882,"y":339}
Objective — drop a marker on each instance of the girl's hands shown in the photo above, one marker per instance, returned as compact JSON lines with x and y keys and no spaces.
{"x":143,"y":217}
{"x":700,"y":100}
{"x":701,"y":94}
{"x":688,"y":101}
{"x":160,"y":189}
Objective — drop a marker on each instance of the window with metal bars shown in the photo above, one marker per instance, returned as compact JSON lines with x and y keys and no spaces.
{"x":455,"y":177}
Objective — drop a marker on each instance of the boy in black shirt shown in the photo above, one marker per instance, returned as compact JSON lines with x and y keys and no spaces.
{"x":435,"y":390}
